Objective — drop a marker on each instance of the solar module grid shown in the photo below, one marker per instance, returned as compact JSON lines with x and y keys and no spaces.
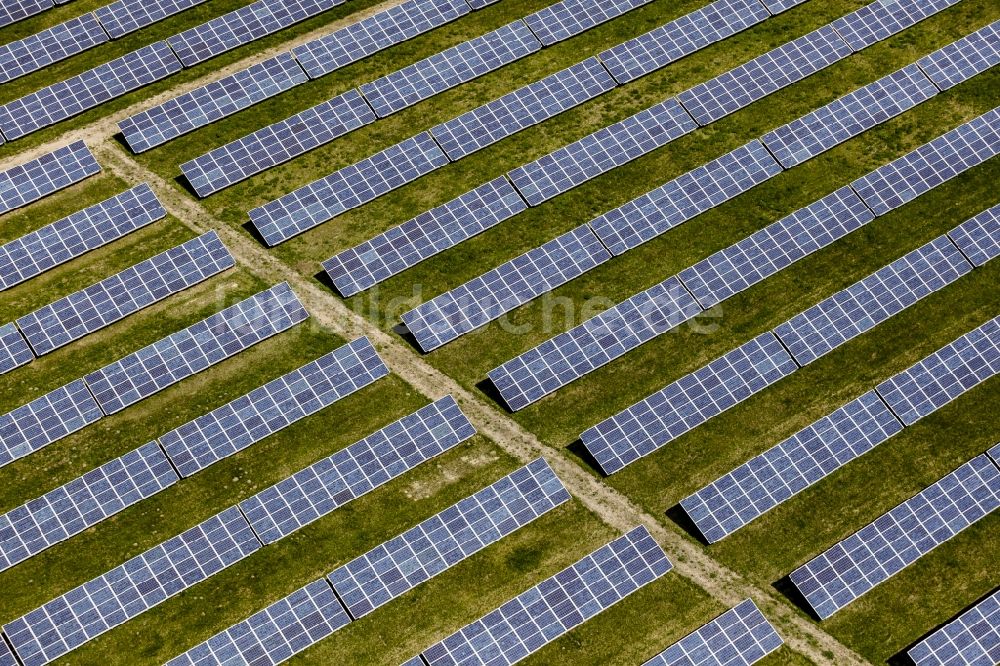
{"x":970,"y":639}
{"x":125,"y":16}
{"x":565,"y":19}
{"x":13,"y":11}
{"x":30,"y":181}
{"x":778,"y":6}
{"x":995,"y":454}
{"x":48,"y":46}
{"x":964,"y":58}
{"x":880,"y":20}
{"x":979,"y":237}
{"x":14,"y":349}
{"x":6,"y":654}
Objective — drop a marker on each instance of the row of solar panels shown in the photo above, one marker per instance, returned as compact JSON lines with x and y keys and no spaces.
{"x":18,"y":10}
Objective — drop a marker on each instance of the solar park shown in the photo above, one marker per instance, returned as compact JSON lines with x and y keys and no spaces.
{"x":475,"y":332}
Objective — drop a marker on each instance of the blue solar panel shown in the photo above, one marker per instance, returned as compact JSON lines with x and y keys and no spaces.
{"x":273,"y":406}
{"x":687,"y":403}
{"x":897,"y":539}
{"x":199,"y":346}
{"x":775,"y":476}
{"x":12,"y":11}
{"x":594,"y":343}
{"x":995,"y":454}
{"x":28,"y":182}
{"x":964,"y":58}
{"x":882,"y":19}
{"x":687,"y":196}
{"x":14,"y":349}
{"x":979,"y":237}
{"x":350,"y":187}
{"x":972,"y":638}
{"x":425,"y":235}
{"x":319,"y":489}
{"x":571,"y":17}
{"x":778,"y":6}
{"x":483,"y":299}
{"x":443,"y":540}
{"x":125,"y":16}
{"x":48,"y":46}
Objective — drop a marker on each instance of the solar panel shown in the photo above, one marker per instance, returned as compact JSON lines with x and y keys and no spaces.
{"x":849,"y":116}
{"x":880,"y":20}
{"x":114,"y":298}
{"x":48,"y":46}
{"x":523,"y":108}
{"x":487,"y":297}
{"x":778,"y":6}
{"x":276,"y":405}
{"x":783,"y":471}
{"x":995,"y":454}
{"x":92,"y":88}
{"x":685,"y":197}
{"x":758,"y":78}
{"x":125,"y":16}
{"x":376,"y":33}
{"x":145,"y":581}
{"x":594,"y":343}
{"x":45,"y":420}
{"x":443,"y":540}
{"x":687,"y":403}
{"x":449,"y":68}
{"x":868,"y":302}
{"x":277,"y":143}
{"x":876,"y":552}
{"x":72,"y":236}
{"x":276,"y":633}
{"x":979,"y":237}
{"x":211,"y":102}
{"x":926,"y":167}
{"x":7,"y":656}
{"x":423,"y":236}
{"x":350,"y":187}
{"x":189,"y":351}
{"x":558,"y":604}
{"x":739,"y":637}
{"x":82,"y":503}
{"x":607,"y":148}
{"x":319,"y":489}
{"x":14,"y":349}
{"x":672,"y":41}
{"x":28,"y":182}
{"x":946,"y":374}
{"x":571,"y":17}
{"x":964,"y":58}
{"x":776,"y":246}
{"x":12,"y":11}
{"x":242,"y":26}
{"x":971,"y":638}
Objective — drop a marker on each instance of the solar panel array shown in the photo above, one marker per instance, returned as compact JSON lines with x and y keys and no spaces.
{"x":979,"y":237}
{"x":445,"y":539}
{"x":876,"y":552}
{"x":594,"y":343}
{"x":48,"y":46}
{"x":849,"y":116}
{"x":944,"y":375}
{"x":114,"y":298}
{"x":879,"y":20}
{"x":691,"y":194}
{"x":571,"y":17}
{"x":149,"y":579}
{"x":739,"y":637}
{"x":687,"y":403}
{"x":449,"y":68}
{"x":758,"y":78}
{"x":350,"y":187}
{"x":425,"y":235}
{"x":125,"y":16}
{"x":775,"y":476}
{"x":72,"y":236}
{"x":276,"y":405}
{"x":277,"y":143}
{"x":607,"y":148}
{"x":964,"y":58}
{"x":550,"y":609}
{"x":189,"y":351}
{"x":82,"y":503}
{"x":483,"y":299}
{"x":14,"y":349}
{"x":319,"y":489}
{"x":17,"y":10}
{"x":75,"y":95}
{"x":211,"y":102}
{"x":778,"y":6}
{"x":972,"y":638}
{"x":527,"y":106}
{"x":28,"y":182}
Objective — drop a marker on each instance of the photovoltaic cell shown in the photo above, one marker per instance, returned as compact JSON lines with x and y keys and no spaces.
{"x":427,"y":234}
{"x":972,"y":638}
{"x":775,"y":476}
{"x":48,"y":46}
{"x":319,"y":489}
{"x":125,"y":16}
{"x":28,"y":182}
{"x":277,"y":143}
{"x":880,"y":20}
{"x":979,"y":237}
{"x":14,"y":349}
{"x":483,"y":299}
{"x":523,"y":108}
{"x":995,"y":454}
{"x":571,"y":17}
{"x":82,"y":503}
{"x":442,"y":541}
{"x":685,"y":197}
{"x":687,"y":403}
{"x":273,"y":406}
{"x":607,"y":148}
{"x":963,"y":59}
{"x":187,"y":352}
{"x":899,"y":538}
{"x":114,"y":298}
{"x":145,"y":581}
{"x":555,"y":606}
{"x":594,"y":343}
{"x":70,"y":237}
{"x":13,"y":11}
{"x":778,"y":6}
